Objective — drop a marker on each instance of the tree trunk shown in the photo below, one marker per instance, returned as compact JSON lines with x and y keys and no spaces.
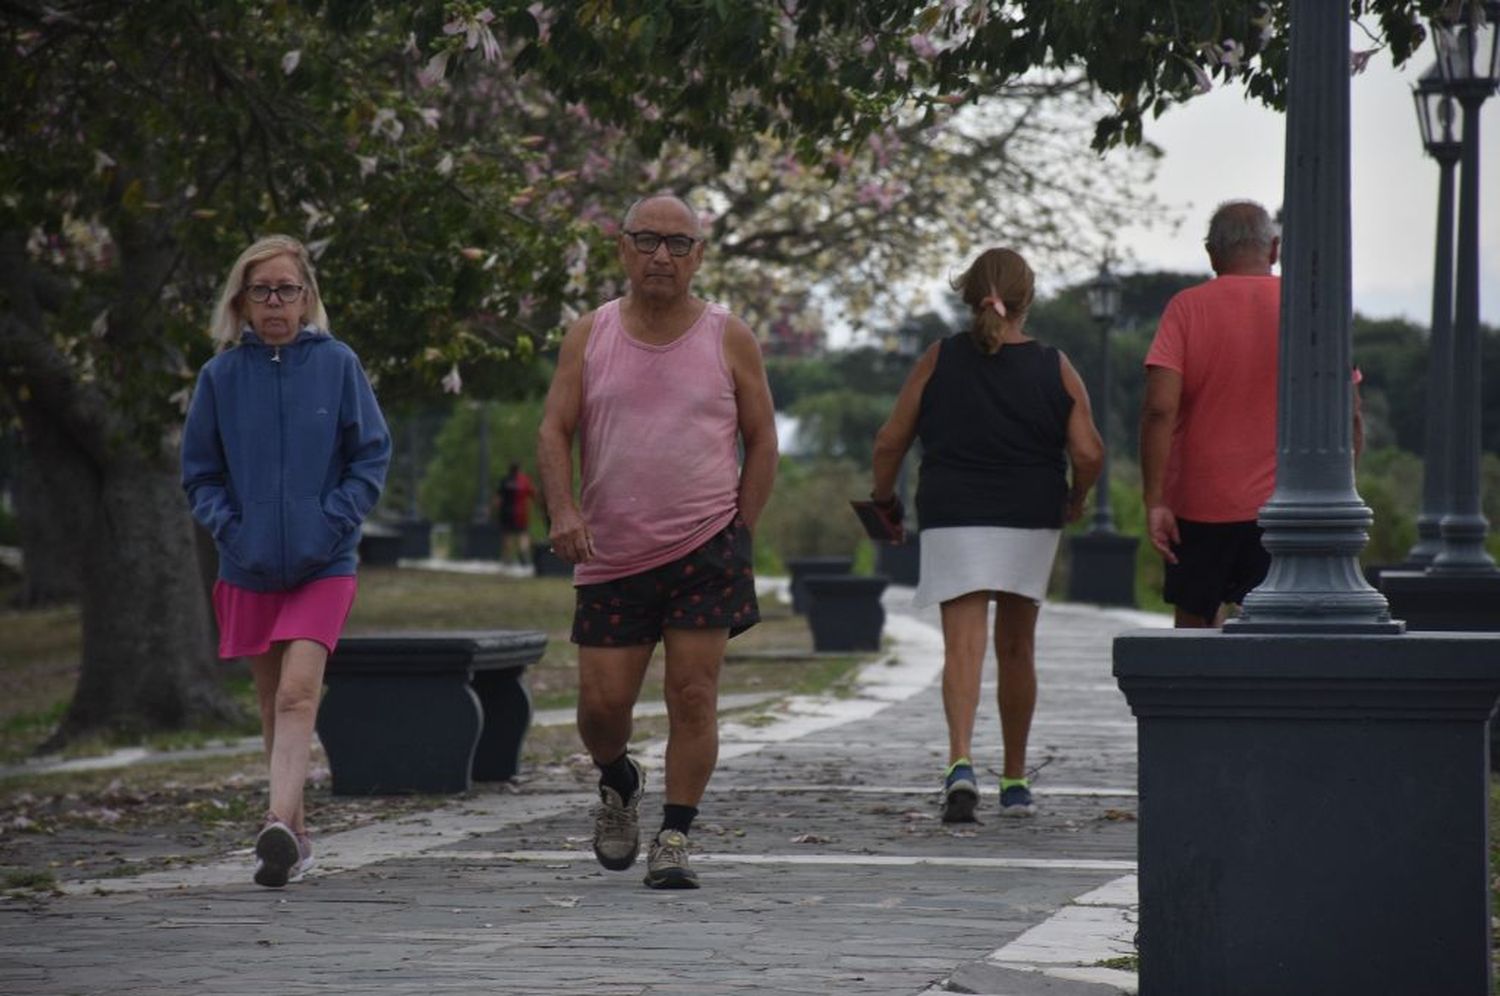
{"x":148,"y":656}
{"x":50,"y":505}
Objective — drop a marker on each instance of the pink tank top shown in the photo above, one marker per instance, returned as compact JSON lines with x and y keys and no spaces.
{"x":658,"y":434}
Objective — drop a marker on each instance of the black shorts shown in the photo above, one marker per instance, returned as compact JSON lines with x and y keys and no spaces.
{"x":1217,"y":562}
{"x":712,"y":587}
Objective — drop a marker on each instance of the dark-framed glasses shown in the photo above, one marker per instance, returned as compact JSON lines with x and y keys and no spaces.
{"x":285,"y":293}
{"x":649,"y":242}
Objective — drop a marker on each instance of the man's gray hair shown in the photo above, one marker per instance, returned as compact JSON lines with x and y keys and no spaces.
{"x":1240,"y":225}
{"x":629,"y":218}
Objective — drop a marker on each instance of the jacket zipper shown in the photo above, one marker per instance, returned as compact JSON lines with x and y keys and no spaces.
{"x":281,"y":460}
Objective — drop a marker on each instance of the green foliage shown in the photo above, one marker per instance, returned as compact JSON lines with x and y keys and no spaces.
{"x":808,"y":514}
{"x":712,"y":72}
{"x":842,"y":423}
{"x":450,"y":490}
{"x":1390,"y":482}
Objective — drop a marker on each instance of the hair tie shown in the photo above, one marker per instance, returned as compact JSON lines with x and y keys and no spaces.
{"x":993,"y":302}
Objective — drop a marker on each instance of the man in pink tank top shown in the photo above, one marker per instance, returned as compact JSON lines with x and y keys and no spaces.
{"x":1208,"y":424}
{"x":661,"y":389}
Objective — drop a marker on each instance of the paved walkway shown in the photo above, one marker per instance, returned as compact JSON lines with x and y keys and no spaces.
{"x":825,"y":870}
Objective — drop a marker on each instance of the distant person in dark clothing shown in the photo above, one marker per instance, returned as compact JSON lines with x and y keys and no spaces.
{"x":1001,"y":417}
{"x":514,"y":500}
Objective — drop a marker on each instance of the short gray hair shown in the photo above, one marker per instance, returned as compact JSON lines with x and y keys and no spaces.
{"x":1240,"y":225}
{"x":665,"y":195}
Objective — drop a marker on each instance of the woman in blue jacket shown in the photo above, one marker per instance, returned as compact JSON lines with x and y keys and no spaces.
{"x":283,"y":455}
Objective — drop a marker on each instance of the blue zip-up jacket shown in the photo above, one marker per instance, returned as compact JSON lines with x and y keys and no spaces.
{"x":284,"y":453}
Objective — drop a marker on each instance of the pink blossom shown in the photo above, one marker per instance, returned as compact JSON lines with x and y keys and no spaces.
{"x":923,"y":47}
{"x":453,"y":383}
{"x":543,"y":18}
{"x":477,"y":33}
{"x":432,"y":74}
{"x":1203,"y":84}
{"x":290,"y":60}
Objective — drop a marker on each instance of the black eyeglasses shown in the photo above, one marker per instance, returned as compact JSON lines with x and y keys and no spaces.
{"x":285,"y":293}
{"x":649,"y":242}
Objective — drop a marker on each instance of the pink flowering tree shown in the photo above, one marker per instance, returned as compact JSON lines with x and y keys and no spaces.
{"x":456,"y":166}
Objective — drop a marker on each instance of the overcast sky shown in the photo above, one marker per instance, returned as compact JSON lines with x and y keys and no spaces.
{"x":1221,"y":146}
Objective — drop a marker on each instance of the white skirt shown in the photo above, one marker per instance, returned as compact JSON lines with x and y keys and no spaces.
{"x":958,"y":560}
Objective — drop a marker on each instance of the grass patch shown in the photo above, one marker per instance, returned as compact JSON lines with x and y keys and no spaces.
{"x":1124,"y":963}
{"x":35,"y":880}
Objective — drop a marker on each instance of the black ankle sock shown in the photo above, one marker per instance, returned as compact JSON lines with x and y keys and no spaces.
{"x":619,"y":775}
{"x":680,"y":818}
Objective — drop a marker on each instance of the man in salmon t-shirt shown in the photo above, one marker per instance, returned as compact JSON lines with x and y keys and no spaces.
{"x":660,"y":388}
{"x":1208,"y":424}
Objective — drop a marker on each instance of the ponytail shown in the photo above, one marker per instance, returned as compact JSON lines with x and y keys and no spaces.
{"x":986,"y":330}
{"x":999,"y":287}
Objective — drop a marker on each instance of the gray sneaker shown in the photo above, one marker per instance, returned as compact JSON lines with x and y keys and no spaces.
{"x":277,"y":854}
{"x":667,"y":862}
{"x":617,"y":824}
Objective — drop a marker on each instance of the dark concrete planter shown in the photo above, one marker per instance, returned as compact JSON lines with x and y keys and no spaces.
{"x":426,"y":712}
{"x":1436,"y":602}
{"x":800,"y":567}
{"x":901,"y":562}
{"x":1446,"y":604}
{"x":416,"y":538}
{"x":1101,"y":569}
{"x":379,"y":546}
{"x":1313,"y":811}
{"x":548,"y":564}
{"x":481,"y":541}
{"x":844,"y":611}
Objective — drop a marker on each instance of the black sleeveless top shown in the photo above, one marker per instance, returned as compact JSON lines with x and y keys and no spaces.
{"x":993,"y":430}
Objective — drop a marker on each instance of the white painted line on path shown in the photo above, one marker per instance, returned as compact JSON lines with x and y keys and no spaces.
{"x":1059,"y":791}
{"x":849,"y":860}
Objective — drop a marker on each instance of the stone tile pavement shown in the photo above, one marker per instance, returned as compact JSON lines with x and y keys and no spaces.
{"x":825,"y":869}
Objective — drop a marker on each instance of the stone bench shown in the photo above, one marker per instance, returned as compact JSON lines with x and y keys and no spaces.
{"x":426,"y":712}
{"x":379,"y":546}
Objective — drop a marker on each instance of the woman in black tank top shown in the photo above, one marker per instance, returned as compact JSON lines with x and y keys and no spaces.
{"x":1001,"y":418}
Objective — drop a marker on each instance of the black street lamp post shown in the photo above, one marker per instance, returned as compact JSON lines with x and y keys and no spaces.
{"x":1458,"y":588}
{"x":1101,"y":562}
{"x":1435,"y":114}
{"x":1104,"y":306}
{"x":1469,"y":61}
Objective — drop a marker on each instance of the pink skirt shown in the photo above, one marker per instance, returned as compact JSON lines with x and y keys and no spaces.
{"x":250,"y":621}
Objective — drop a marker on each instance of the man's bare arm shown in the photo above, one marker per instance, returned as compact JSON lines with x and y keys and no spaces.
{"x":1158,"y":421}
{"x":570,"y":536}
{"x":757,"y":419}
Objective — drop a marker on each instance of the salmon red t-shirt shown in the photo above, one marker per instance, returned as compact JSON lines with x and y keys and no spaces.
{"x":1222,"y":337}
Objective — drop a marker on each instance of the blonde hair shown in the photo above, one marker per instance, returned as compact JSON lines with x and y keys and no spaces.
{"x":228,"y":320}
{"x":1001,"y":274}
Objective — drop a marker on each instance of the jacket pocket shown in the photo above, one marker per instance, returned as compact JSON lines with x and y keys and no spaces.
{"x":310,"y":537}
{"x":253,"y":538}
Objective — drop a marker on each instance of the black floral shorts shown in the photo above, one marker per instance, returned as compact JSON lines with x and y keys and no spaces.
{"x":712,"y":587}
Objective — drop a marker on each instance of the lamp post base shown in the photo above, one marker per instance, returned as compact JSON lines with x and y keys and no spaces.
{"x":1313,"y":811}
{"x":1101,"y":569}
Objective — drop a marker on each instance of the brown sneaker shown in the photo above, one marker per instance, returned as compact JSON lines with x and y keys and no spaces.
{"x":667,"y":862}
{"x":617,"y":824}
